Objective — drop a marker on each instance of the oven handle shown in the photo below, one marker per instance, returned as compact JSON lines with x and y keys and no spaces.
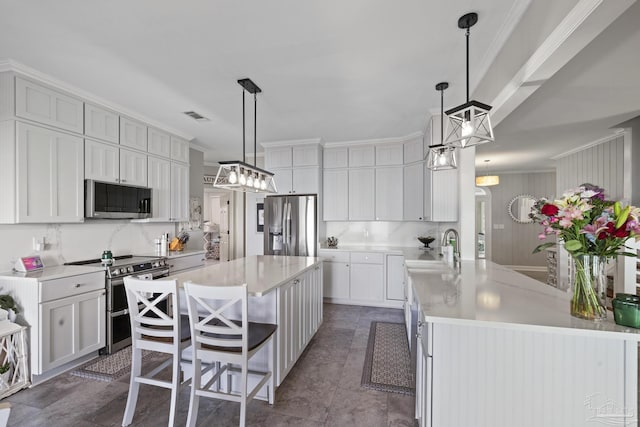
{"x":120,"y":313}
{"x":156,"y":275}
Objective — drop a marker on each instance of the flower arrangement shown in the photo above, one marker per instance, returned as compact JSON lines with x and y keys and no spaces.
{"x":593,"y":230}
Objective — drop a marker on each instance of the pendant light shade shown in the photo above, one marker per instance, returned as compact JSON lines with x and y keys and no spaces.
{"x":487,"y":180}
{"x":440,"y":156}
{"x":468,"y":124}
{"x":237,"y":175}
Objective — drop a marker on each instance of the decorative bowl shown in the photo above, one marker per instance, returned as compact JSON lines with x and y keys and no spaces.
{"x":332,"y":242}
{"x":426,"y":241}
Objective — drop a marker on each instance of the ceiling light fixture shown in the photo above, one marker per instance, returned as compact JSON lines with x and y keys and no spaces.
{"x":440,"y":156}
{"x":238,"y":175}
{"x":487,"y":180}
{"x":469,"y":124}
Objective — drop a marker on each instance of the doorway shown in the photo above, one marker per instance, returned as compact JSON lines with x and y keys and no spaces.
{"x":217,"y":210}
{"x":483,"y":223}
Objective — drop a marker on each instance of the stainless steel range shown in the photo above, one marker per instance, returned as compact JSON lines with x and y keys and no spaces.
{"x":118,"y":324}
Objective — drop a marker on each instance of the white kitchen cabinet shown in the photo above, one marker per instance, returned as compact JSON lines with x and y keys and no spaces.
{"x":336,"y":157}
{"x":65,"y":309}
{"x":388,"y":200}
{"x":283,"y":179}
{"x":101,"y":161}
{"x":305,"y":155}
{"x":297,"y":180}
{"x":159,"y":180}
{"x":179,"y":149}
{"x":296,"y":168}
{"x":101,"y":124}
{"x":413,"y":192}
{"x":48,"y":178}
{"x":133,"y":168}
{"x":366,"y":276}
{"x":278,"y":157}
{"x":424,"y":374}
{"x":395,"y":277}
{"x":179,"y":192}
{"x":158,"y":143}
{"x":413,"y":151}
{"x":133,"y":134}
{"x":361,"y":194}
{"x":441,"y":195}
{"x":336,"y":273}
{"x":362,"y":155}
{"x":48,"y":106}
{"x":389,"y":154}
{"x":182,"y":263}
{"x":336,"y":195}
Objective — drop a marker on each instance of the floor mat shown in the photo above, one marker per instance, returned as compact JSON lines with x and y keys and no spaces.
{"x":109,"y":367}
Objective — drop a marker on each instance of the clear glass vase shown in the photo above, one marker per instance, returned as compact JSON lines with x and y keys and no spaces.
{"x":589,"y":288}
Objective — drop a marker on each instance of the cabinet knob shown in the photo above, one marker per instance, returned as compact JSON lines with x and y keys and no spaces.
{"x":78,"y":285}
{"x":123,"y":180}
{"x":347,"y":265}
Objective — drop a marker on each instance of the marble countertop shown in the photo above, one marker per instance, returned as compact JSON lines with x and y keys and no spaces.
{"x":410,"y":253}
{"x":488,"y":294}
{"x":55,"y":272}
{"x":261,"y":273}
{"x":177,"y":254}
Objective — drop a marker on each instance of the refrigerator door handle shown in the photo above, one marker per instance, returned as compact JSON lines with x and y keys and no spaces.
{"x":288,"y":229}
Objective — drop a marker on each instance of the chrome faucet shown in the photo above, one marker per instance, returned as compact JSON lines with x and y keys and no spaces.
{"x":456,"y":248}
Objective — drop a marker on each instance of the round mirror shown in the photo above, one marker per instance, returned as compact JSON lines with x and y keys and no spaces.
{"x":520,"y":207}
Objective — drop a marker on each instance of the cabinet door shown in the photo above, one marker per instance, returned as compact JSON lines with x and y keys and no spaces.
{"x":444,"y":196}
{"x":336,"y":280}
{"x":288,"y":324}
{"x":413,"y":192}
{"x":159,"y":180}
{"x":387,"y":197}
{"x":428,"y":194}
{"x":337,"y":157}
{"x":389,"y":154}
{"x":362,"y":156}
{"x":413,"y":151}
{"x":133,"y":168}
{"x":361,"y":194}
{"x":70,"y":328}
{"x":306,"y":155}
{"x":278,"y":157}
{"x":395,"y":277}
{"x":44,"y":105}
{"x":284,"y":180}
{"x":133,"y":134}
{"x":179,"y":149}
{"x":179,"y":192}
{"x":306,"y":180}
{"x":50,"y":175}
{"x":367,"y":282}
{"x":100,"y":123}
{"x":335,"y":195}
{"x":159,"y":143}
{"x":101,"y":161}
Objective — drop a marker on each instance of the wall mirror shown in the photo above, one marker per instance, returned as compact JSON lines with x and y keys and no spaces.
{"x":520,"y":207}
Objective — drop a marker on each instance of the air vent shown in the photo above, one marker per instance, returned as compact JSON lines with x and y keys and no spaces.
{"x":196,"y":116}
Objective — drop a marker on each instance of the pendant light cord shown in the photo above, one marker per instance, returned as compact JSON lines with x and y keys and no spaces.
{"x":255,"y":129}
{"x":467,"y":34}
{"x":441,"y":116}
{"x":244,"y":155}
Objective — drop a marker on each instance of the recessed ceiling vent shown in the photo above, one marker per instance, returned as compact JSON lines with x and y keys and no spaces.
{"x":196,"y":116}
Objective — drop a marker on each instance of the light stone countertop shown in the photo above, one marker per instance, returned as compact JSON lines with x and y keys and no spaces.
{"x":176,"y":254}
{"x":487,"y":294}
{"x":410,"y":253}
{"x":261,"y":273}
{"x":55,"y":272}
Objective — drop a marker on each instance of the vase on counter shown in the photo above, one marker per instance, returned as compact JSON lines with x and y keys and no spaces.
{"x":589,"y":287}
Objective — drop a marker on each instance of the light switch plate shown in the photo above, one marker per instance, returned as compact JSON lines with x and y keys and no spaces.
{"x":498,"y":226}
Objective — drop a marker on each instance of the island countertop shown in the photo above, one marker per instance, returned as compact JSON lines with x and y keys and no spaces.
{"x":261,"y":273}
{"x":487,"y":294}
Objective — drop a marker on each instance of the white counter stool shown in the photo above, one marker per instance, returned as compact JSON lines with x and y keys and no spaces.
{"x":217,"y":338}
{"x":156,"y":325}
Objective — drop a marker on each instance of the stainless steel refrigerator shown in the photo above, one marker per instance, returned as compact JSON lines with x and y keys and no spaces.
{"x":290,"y":225}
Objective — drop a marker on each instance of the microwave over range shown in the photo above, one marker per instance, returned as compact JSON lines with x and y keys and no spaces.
{"x":116,"y":201}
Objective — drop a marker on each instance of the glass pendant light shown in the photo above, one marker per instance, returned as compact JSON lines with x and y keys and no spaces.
{"x":487,"y":180}
{"x":440,"y":156}
{"x":469,"y":124}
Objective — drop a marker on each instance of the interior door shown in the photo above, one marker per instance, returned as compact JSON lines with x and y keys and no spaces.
{"x":225,"y":228}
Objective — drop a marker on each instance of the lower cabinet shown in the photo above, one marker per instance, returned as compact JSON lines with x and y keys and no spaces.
{"x":424,"y":375}
{"x":367,"y":277}
{"x":185,"y":263}
{"x":299,"y":317}
{"x":395,"y":277}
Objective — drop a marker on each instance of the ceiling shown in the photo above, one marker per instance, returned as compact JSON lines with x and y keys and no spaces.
{"x":335,"y":70}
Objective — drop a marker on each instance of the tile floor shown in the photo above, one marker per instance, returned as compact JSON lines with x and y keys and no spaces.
{"x":323,"y":389}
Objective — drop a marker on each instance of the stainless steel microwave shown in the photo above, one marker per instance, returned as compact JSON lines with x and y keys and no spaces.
{"x":116,"y":201}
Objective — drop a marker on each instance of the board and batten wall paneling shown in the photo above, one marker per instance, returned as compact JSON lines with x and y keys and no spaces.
{"x":601,"y":165}
{"x":513,"y":244}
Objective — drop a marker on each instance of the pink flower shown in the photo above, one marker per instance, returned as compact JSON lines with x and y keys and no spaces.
{"x":542,"y":236}
{"x":565,"y":222}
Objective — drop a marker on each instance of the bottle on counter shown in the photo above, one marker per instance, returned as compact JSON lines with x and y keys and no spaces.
{"x":164,"y":244}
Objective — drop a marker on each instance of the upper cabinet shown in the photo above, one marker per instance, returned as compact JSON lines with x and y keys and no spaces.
{"x":441,"y":195}
{"x":179,"y":149}
{"x":296,"y":167}
{"x":363,"y":155}
{"x":278,"y":157}
{"x":133,"y":134}
{"x":413,"y":150}
{"x":158,"y":143}
{"x":336,"y":157}
{"x":41,"y":104}
{"x":389,"y":154}
{"x":101,"y":124}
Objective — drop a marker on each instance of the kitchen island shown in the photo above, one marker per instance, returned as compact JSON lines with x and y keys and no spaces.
{"x":284,"y":290}
{"x":497,"y":348}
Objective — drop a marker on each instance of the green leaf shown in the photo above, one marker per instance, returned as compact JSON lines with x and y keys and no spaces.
{"x":572,"y":245}
{"x":543,"y":246}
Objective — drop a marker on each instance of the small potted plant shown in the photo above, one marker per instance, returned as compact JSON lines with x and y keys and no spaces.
{"x":8,"y":303}
{"x":5,"y":375}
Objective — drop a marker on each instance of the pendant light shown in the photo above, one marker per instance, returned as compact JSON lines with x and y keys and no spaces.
{"x":487,"y":180}
{"x":469,"y":124}
{"x":440,"y":156}
{"x":238,"y":175}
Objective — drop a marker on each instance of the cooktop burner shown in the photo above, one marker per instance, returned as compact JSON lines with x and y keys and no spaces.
{"x":118,"y":260}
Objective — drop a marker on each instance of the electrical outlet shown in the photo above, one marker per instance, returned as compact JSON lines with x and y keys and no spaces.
{"x":498,"y":226}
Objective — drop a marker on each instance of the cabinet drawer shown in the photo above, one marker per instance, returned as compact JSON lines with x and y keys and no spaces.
{"x":69,"y":286}
{"x":332,"y":255}
{"x":367,"y":258}
{"x":188,"y":262}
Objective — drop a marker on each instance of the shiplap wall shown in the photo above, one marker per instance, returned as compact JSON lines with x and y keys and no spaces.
{"x":513,"y":244}
{"x":601,"y":165}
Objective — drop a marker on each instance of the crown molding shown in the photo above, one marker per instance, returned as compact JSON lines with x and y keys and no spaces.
{"x":8,"y":64}
{"x":309,"y":141}
{"x":617,"y":134}
{"x":391,"y":140}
